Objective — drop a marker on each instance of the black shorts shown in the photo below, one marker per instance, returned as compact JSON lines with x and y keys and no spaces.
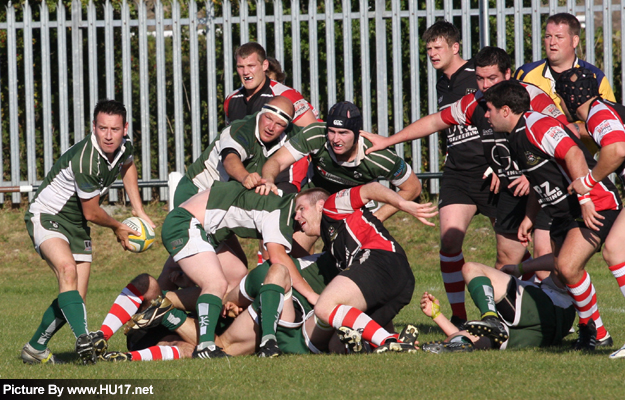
{"x":511,"y":212}
{"x":468,"y":189}
{"x":561,"y":226}
{"x":385,"y":280}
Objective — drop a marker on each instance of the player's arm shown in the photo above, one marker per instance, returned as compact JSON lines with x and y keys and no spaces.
{"x":94,"y":213}
{"x":420,"y":128}
{"x":306,"y":119}
{"x":234,"y":167}
{"x":378,"y":192}
{"x":408,"y":190}
{"x":277,"y":163}
{"x":431,"y":308}
{"x":278,"y":255}
{"x":130,"y":177}
{"x":577,"y":167}
{"x":611,"y":157}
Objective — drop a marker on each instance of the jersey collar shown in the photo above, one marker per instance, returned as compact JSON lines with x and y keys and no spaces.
{"x":118,"y":154}
{"x":360,"y":155}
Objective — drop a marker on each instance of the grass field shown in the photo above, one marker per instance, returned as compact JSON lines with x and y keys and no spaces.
{"x":28,"y":287}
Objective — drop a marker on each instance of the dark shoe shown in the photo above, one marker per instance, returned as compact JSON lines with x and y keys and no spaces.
{"x":85,"y":349}
{"x":115,"y":356}
{"x":100,"y":345}
{"x":151,"y":317}
{"x":30,"y":355}
{"x":397,"y":347}
{"x":409,"y":334}
{"x":605,"y":342}
{"x":587,"y":336}
{"x":490,"y":327}
{"x":269,"y":350}
{"x":443,"y":347}
{"x":212,"y":351}
{"x":458,"y":322}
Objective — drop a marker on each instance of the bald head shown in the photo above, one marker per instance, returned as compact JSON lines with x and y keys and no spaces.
{"x":283,"y":104}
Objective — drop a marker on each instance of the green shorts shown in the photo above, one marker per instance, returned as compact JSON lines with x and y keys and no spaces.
{"x":183,"y":235}
{"x":42,"y":227}
{"x":184,"y":191}
{"x":538,"y":321}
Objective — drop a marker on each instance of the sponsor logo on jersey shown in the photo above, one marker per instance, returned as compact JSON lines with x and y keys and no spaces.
{"x":175,"y":244}
{"x":552,"y":110}
{"x":322,"y":161}
{"x":531,"y":158}
{"x":54,"y":225}
{"x":87,"y":245}
{"x":487,"y":132}
{"x":501,"y":156}
{"x":602,"y":129}
{"x":556,"y":133}
{"x":332,"y":233}
{"x":301,"y":106}
{"x":470,"y":90}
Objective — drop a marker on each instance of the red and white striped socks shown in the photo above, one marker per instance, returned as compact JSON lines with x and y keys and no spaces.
{"x":153,"y":353}
{"x":451,"y":269}
{"x":126,"y":304}
{"x":618,"y":271}
{"x":585,"y":302}
{"x":353,"y":318}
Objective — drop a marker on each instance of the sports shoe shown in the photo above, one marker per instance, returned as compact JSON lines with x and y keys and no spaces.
{"x":30,"y":355}
{"x":458,"y":322}
{"x":269,"y":350}
{"x":85,"y":349}
{"x":115,"y":356}
{"x":605,"y":342}
{"x":587,"y":336}
{"x":490,"y":327}
{"x":100,"y":345}
{"x":352,"y":339}
{"x":212,"y":351}
{"x":444,"y":347}
{"x":397,"y":347}
{"x":151,"y":316}
{"x":620,"y":353}
{"x":409,"y":334}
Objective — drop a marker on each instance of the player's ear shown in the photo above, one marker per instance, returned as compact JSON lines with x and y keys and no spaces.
{"x":319,"y":205}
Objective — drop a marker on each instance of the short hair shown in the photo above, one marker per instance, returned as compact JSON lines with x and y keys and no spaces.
{"x":566,"y":19}
{"x":250,"y":48}
{"x":442,"y":29}
{"x":110,"y":107}
{"x":491,"y":55}
{"x":276,"y":69}
{"x":314,"y":195}
{"x":509,"y":93}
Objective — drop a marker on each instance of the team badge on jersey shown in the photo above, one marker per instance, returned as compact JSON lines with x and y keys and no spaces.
{"x":470,"y":90}
{"x":87,"y":245}
{"x":332,"y":233}
{"x":531,"y":158}
{"x":357,"y":175}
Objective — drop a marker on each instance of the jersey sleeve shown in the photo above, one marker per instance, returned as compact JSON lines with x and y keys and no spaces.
{"x":548,"y":135}
{"x":605,"y":127}
{"x":391,"y":167}
{"x":241,"y":140}
{"x":309,"y":141}
{"x":542,"y":102}
{"x":343,"y":203}
{"x":87,"y":185}
{"x":460,"y":112}
{"x":606,"y":91}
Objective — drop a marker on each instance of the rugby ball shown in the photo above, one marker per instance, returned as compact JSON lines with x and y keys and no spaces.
{"x":145,"y":240}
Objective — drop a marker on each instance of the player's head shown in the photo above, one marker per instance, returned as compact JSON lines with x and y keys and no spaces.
{"x":274,"y":71}
{"x":561,"y":38}
{"x":274,"y":118}
{"x":492,"y":65}
{"x":343,"y":126}
{"x":506,"y":101}
{"x":575,"y":87}
{"x":309,"y":208}
{"x":252,"y":63}
{"x":109,"y":125}
{"x":442,"y":43}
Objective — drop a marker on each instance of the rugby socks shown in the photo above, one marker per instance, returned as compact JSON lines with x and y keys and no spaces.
{"x":260,"y":260}
{"x":208,"y":309}
{"x":173,"y":319}
{"x":271,"y":303}
{"x":451,"y":269}
{"x":126,"y":304}
{"x":156,"y":353}
{"x":619,"y":274}
{"x":51,"y":322}
{"x":585,"y":302}
{"x":353,"y":318}
{"x":483,"y":295}
{"x":74,"y":311}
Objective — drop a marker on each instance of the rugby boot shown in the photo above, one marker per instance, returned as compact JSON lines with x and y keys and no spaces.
{"x":352,"y":339}
{"x":490,"y":327}
{"x":100,"y":344}
{"x":151,"y":316}
{"x":390,"y":345}
{"x":30,"y":355}
{"x":85,"y":349}
{"x":269,"y":349}
{"x":605,"y":342}
{"x":115,"y":356}
{"x":211,"y":351}
{"x":450,"y":347}
{"x":587,"y":336}
{"x":409,"y":334}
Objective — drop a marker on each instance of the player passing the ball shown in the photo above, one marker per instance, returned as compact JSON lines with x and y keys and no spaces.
{"x":68,"y":198}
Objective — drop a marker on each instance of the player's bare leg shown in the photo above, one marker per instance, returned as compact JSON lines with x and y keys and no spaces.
{"x":542,"y":246}
{"x":509,"y":249}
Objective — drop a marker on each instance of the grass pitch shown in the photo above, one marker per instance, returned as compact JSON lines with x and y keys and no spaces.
{"x":28,"y":286}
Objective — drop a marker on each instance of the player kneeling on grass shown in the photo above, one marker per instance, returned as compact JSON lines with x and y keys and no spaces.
{"x":375,"y":280}
{"x":515,"y":313}
{"x":68,"y":198}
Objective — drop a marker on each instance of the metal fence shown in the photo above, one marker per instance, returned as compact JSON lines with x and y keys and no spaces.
{"x":367,"y":51}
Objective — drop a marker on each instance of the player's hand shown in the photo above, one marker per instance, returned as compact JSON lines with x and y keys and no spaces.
{"x":494,"y":182}
{"x":427,"y":300}
{"x":122,"y":232}
{"x":266,"y":187}
{"x":230,"y":310}
{"x":511,"y":269}
{"x":522,"y":186}
{"x":252,"y":180}
{"x":577,"y":187}
{"x":378,"y":142}
{"x":524,"y":234}
{"x":591,"y":216}
{"x":141,"y":214}
{"x":312,"y":298}
{"x":420,"y":211}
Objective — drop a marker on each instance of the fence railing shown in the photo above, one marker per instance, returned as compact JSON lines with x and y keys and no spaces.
{"x":172,"y":64}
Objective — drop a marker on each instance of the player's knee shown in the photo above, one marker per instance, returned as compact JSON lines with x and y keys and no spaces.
{"x":451,"y":241}
{"x":278,"y":274}
{"x":613,"y":253}
{"x":67,"y":273}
